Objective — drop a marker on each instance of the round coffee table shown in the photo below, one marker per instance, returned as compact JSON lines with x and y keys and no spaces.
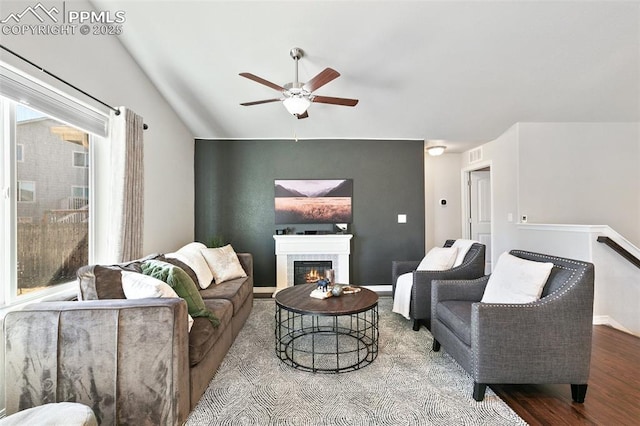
{"x":333,"y":335}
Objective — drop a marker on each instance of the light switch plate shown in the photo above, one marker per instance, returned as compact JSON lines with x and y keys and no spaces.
{"x":402,"y":218}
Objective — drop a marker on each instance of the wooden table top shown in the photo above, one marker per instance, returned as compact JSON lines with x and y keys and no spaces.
{"x":296,"y":298}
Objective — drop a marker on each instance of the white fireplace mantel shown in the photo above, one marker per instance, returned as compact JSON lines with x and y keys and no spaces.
{"x":335,"y":247}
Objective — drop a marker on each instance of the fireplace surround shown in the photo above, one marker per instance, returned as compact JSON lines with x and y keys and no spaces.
{"x":320,"y":247}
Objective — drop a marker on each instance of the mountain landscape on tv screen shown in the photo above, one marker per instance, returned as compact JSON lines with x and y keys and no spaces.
{"x":314,"y":188}
{"x":313,"y":201}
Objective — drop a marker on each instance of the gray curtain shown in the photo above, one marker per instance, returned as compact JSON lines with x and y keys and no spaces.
{"x":127,"y":196}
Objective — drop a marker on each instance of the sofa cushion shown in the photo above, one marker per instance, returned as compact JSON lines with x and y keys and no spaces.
{"x":179,"y":264}
{"x":236,"y":291}
{"x":103,"y":281}
{"x":456,"y":316}
{"x":140,"y":286}
{"x":108,"y":281}
{"x":224,"y":263}
{"x":203,"y":335}
{"x":191,"y":255}
{"x":182,"y":284}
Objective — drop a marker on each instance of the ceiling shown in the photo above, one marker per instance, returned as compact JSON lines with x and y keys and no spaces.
{"x":453,"y":70}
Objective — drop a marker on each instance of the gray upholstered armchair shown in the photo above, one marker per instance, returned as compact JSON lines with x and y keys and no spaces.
{"x":545,"y":341}
{"x":472,"y":267}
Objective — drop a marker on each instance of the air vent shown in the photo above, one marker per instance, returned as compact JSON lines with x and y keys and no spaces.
{"x":475,"y":155}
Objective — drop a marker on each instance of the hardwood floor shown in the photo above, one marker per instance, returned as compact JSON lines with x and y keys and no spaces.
{"x":613,"y":395}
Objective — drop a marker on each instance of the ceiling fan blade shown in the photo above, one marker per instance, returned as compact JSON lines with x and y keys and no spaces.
{"x":303,"y":115}
{"x":335,"y":101}
{"x":321,"y":79}
{"x":262,"y":81}
{"x":265,"y":101}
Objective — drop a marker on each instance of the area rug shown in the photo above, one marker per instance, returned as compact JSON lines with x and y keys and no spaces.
{"x":407,"y":384}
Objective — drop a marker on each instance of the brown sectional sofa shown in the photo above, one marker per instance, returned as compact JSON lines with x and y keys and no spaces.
{"x":131,"y":361}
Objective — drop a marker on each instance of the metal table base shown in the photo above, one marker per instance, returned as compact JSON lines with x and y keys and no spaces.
{"x":326,"y":343}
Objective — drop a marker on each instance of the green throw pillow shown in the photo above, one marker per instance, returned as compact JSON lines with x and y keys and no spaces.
{"x":183,"y":285}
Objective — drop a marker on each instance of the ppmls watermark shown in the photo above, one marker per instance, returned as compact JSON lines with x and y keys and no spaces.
{"x":56,"y":19}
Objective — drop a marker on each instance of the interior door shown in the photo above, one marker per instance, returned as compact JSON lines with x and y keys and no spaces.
{"x":480,"y":210}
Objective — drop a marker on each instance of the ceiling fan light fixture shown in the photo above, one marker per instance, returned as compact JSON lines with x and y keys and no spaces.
{"x":296,"y":96}
{"x":296,"y":105}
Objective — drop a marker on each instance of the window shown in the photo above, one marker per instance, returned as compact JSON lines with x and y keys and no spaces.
{"x":80,"y":159}
{"x":51,"y":248}
{"x":80,"y":192}
{"x":45,"y":208}
{"x":26,"y":191}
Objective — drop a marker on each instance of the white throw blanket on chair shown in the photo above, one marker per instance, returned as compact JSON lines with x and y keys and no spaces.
{"x":402,"y":297}
{"x":438,"y":259}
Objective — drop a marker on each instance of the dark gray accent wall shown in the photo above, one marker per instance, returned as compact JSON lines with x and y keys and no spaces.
{"x":234,"y":197}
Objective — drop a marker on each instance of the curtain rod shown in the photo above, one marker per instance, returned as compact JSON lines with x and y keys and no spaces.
{"x":115,"y":110}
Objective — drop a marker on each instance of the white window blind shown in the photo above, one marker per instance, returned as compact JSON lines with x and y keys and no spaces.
{"x":46,"y":99}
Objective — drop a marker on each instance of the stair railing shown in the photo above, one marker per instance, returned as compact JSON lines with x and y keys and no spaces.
{"x":620,"y":250}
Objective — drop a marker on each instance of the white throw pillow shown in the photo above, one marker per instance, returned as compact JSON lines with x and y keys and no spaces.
{"x":140,"y":286}
{"x":438,"y":259}
{"x":224,"y":263}
{"x":192,"y":257}
{"x":516,"y":280}
{"x":463,"y":247}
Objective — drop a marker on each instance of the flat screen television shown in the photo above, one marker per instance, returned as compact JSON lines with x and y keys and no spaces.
{"x":299,"y":201}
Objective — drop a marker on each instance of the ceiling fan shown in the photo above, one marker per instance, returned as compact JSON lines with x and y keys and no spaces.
{"x":297,"y":97}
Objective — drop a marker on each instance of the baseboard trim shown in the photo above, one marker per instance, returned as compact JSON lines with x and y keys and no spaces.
{"x":382,"y":290}
{"x":607,"y":320}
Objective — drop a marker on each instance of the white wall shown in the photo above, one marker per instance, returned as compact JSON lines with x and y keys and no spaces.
{"x":560,"y":173}
{"x":442,"y":181}
{"x":585,"y":174}
{"x":617,"y":281}
{"x":581,"y":173}
{"x":102,"y":67}
{"x":501,"y":155}
{"x":617,"y":287}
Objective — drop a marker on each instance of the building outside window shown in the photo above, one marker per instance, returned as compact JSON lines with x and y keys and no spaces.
{"x":54,"y":243}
